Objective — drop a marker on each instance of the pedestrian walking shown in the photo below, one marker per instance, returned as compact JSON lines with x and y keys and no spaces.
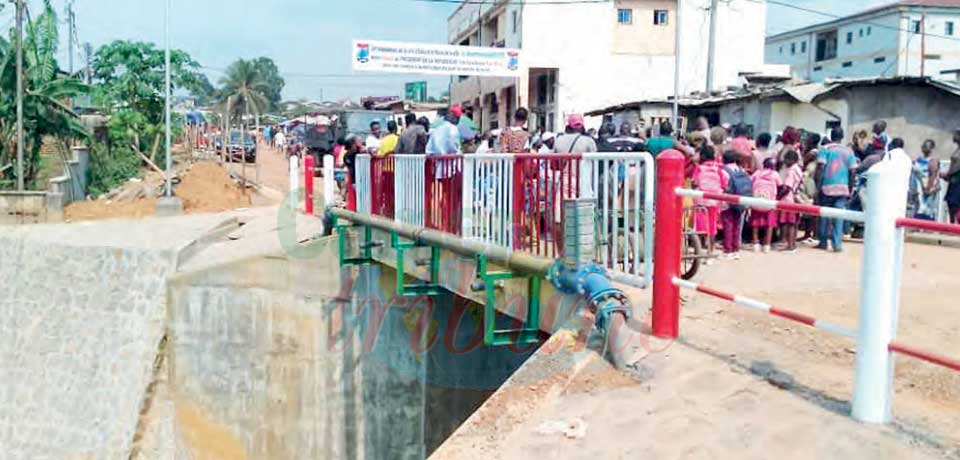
{"x":388,"y":144}
{"x":952,"y":177}
{"x":926,"y":172}
{"x":413,"y":140}
{"x":792,"y":177}
{"x":834,"y":174}
{"x":372,"y":143}
{"x":766,"y":185}
{"x":709,"y":176}
{"x":445,"y":138}
{"x":516,"y":138}
{"x":739,"y":183}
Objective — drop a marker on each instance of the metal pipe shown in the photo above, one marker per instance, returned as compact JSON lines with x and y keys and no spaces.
{"x":515,"y":261}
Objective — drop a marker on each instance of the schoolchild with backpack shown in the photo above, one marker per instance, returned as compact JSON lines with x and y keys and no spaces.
{"x":731,"y":218}
{"x":708,"y":176}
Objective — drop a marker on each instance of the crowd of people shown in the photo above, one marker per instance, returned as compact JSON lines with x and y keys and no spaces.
{"x":794,"y":166}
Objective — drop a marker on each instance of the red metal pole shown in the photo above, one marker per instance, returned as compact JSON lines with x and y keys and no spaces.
{"x":308,"y":184}
{"x":666,"y":253}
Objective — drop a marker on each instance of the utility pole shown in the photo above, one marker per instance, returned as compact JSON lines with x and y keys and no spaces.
{"x":676,"y":71}
{"x":72,"y":27}
{"x":712,"y":48}
{"x":923,"y":45}
{"x":88,"y":50}
{"x":19,"y":95}
{"x":166,"y":96}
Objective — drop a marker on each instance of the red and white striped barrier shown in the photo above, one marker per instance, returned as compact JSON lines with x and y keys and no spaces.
{"x":880,"y":278}
{"x":768,"y":205}
{"x":929,"y":225}
{"x":927,"y":356}
{"x":765,"y":307}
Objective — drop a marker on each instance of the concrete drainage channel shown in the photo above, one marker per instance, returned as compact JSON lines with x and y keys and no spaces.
{"x":273,"y":351}
{"x":270,"y":359}
{"x":226,"y":337}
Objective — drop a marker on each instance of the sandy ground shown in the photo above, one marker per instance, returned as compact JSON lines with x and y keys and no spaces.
{"x":206,"y":187}
{"x":272,"y":173}
{"x":706,"y":396}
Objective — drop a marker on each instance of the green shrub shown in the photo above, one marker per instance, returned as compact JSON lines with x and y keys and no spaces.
{"x":111,"y":167}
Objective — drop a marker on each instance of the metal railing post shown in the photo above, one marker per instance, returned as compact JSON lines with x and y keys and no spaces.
{"x":879,"y":290}
{"x":308,"y":185}
{"x":666,"y":295}
{"x":649,"y":232}
{"x":328,"y":181}
{"x":294,"y":181}
{"x":467,"y":200}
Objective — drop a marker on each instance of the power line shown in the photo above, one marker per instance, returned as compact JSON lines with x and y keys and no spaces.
{"x":836,"y":16}
{"x":515,"y":2}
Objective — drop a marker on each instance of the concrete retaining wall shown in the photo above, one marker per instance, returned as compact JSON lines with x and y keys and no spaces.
{"x":79,"y":329}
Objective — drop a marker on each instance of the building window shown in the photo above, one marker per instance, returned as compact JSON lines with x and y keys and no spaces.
{"x":861,"y":32}
{"x":781,"y":50}
{"x":879,"y":60}
{"x":793,"y":49}
{"x":552,"y":88}
{"x":624,"y":16}
{"x":826,"y":46}
{"x":542,"y":88}
{"x":915,"y":27}
{"x":869,"y":30}
{"x":817,"y":68}
{"x":948,"y":28}
{"x":660,"y":17}
{"x":849,"y":37}
{"x":803,"y":47}
{"x":848,"y":64}
{"x":516,"y":20}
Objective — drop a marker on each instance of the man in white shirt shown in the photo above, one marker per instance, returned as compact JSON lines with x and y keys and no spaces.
{"x":897,"y":153}
{"x":372,"y":143}
{"x":281,"y":141}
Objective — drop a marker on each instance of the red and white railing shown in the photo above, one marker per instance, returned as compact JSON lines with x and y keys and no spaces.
{"x":515,"y":200}
{"x":444,"y":181}
{"x":880,"y":279}
{"x":772,"y":205}
{"x":382,"y":172}
{"x":766,"y":308}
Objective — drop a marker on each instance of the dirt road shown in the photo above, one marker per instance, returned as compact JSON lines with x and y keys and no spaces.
{"x":271,"y":172}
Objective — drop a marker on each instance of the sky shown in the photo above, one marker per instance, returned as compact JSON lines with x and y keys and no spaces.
{"x":310,"y":40}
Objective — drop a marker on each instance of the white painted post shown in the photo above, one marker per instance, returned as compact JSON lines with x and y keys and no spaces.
{"x":328,"y":181}
{"x":469,"y":166}
{"x":887,"y":184}
{"x":294,"y":181}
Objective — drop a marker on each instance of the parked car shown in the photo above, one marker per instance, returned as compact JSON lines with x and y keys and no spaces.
{"x":247,"y":151}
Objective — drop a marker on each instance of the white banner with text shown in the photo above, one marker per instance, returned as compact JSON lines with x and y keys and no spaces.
{"x":426,"y":58}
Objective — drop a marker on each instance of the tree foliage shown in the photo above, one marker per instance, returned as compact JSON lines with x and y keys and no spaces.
{"x":271,"y":76}
{"x":244,"y":89}
{"x":45,"y":108}
{"x":131,"y":75}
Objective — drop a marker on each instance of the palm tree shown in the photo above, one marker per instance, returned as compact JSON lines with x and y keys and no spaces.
{"x":244,"y":86}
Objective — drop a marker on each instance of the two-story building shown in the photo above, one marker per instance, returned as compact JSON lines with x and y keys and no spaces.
{"x":582,"y":56}
{"x":909,"y":38}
